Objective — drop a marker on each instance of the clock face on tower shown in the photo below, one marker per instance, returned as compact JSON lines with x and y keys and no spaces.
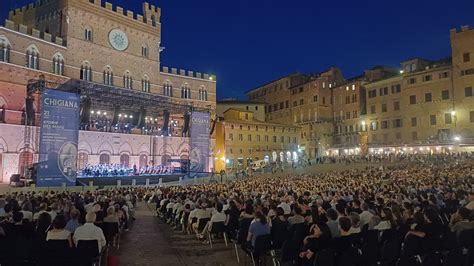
{"x":118,"y":39}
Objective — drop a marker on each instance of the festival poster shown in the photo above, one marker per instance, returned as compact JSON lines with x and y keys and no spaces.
{"x":200,"y":140}
{"x":58,"y":139}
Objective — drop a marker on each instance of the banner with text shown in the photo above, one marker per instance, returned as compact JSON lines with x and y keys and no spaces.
{"x":59,"y":133}
{"x":200,"y":140}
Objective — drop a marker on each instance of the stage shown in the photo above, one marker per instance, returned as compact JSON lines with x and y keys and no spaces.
{"x":128,"y":180}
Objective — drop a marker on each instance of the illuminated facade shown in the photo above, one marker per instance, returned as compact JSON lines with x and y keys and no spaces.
{"x":424,"y":106}
{"x":101,"y":44}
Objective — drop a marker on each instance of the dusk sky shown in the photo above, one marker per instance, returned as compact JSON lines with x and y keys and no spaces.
{"x":247,"y":43}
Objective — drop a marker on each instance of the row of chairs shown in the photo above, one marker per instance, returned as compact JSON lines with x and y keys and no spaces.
{"x":370,"y":247}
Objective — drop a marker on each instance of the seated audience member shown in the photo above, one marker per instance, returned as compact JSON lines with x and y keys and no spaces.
{"x":460,"y":221}
{"x":319,"y":239}
{"x":27,"y":211}
{"x":58,"y":232}
{"x":73,"y":223}
{"x":365,"y":215}
{"x":54,"y":210}
{"x":217,"y":217}
{"x":344,"y":242}
{"x":43,"y":224}
{"x":2,"y":208}
{"x":16,"y":228}
{"x":89,"y":231}
{"x":258,"y":227}
{"x":333,"y":223}
{"x":297,"y":217}
{"x":42,"y":208}
{"x":232,"y":220}
{"x":355,"y":221}
{"x":111,"y":216}
{"x":280,"y":224}
{"x":430,"y":228}
{"x":470,"y":205}
{"x":387,"y":220}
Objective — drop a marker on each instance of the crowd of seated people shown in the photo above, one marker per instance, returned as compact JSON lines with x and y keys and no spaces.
{"x":421,"y":215}
{"x":117,"y":170}
{"x":396,"y":156}
{"x":62,"y":228}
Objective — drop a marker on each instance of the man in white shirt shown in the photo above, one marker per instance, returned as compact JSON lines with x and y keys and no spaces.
{"x":285,"y":206}
{"x":470,"y":205}
{"x":42,"y":208}
{"x":365,"y":215}
{"x":90,"y":232}
{"x":218,"y":217}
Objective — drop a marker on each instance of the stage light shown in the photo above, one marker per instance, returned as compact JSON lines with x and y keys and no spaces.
{"x":105,"y":113}
{"x":126,"y":116}
{"x":131,"y":116}
{"x":92,"y":112}
{"x":98,"y":112}
{"x":457,"y":138}
{"x":120,"y":115}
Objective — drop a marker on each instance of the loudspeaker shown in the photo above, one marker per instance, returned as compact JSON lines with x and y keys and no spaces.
{"x":213,"y":126}
{"x":141,"y":120}
{"x":116,"y":115}
{"x":166,"y":121}
{"x":30,"y":111}
{"x":186,"y":122}
{"x":85,"y":113}
{"x":136,"y":116}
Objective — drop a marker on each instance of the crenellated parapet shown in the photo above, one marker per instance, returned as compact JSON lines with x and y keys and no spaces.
{"x":151,"y":14}
{"x":463,"y":29}
{"x":34,"y":32}
{"x":188,"y":73}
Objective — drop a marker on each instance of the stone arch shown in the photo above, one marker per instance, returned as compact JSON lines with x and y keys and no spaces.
{"x":33,"y":48}
{"x":3,"y":102}
{"x":4,"y":40}
{"x":3,"y":145}
{"x":166,"y":149}
{"x":144,"y":149}
{"x":183,"y":148}
{"x":125,"y":148}
{"x":84,"y":146}
{"x":105,"y":147}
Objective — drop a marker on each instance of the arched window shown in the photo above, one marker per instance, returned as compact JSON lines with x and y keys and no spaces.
{"x":185,"y":92}
{"x":4,"y":49}
{"x":168,"y":89}
{"x":146,"y":85}
{"x":124,"y":160}
{"x":32,"y":58}
{"x":82,"y":159}
{"x":88,"y":35}
{"x":127,"y":80}
{"x":143,"y":161}
{"x":26,"y":160}
{"x":58,"y":64}
{"x":86,"y":72}
{"x":202,"y":94}
{"x":145,"y":50}
{"x":104,"y":158}
{"x":108,"y":76}
{"x":165,"y":159}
